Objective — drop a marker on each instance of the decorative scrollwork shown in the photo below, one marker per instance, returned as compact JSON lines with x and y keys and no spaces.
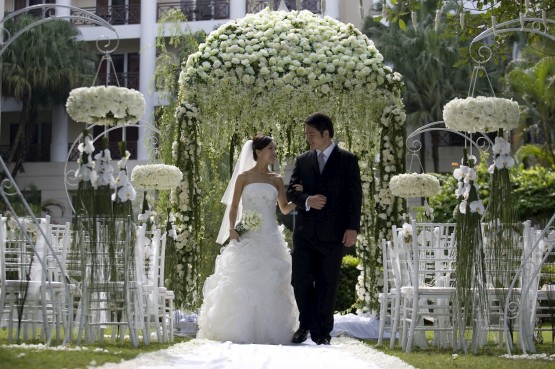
{"x":46,"y":13}
{"x":104,"y":44}
{"x":512,"y":309}
{"x":481,"y":143}
{"x":482,"y":55}
{"x":7,"y":188}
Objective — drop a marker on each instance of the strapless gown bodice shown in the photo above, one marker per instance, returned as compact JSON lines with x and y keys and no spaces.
{"x":249,"y":298}
{"x":262,"y":198}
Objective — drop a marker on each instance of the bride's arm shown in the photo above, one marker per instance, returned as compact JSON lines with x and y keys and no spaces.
{"x":238,"y":190}
{"x":284,"y":206}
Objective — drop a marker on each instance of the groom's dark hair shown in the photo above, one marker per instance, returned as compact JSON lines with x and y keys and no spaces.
{"x":259,"y":142}
{"x":321,"y":122}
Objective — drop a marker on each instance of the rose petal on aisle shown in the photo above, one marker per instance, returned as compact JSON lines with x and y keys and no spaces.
{"x":344,"y":352}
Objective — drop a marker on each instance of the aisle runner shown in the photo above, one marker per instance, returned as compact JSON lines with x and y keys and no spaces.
{"x":344,"y":352}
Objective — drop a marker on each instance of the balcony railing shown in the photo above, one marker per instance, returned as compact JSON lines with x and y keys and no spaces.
{"x":196,"y":10}
{"x":115,"y":15}
{"x":258,"y":5}
{"x":129,"y":80}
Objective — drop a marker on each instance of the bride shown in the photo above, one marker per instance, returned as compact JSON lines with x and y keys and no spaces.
{"x":249,"y":298}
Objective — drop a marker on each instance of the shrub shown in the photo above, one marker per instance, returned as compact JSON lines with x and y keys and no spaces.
{"x":533,"y":194}
{"x":346,"y":294}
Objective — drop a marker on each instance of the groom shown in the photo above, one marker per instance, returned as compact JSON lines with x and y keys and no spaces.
{"x":328,"y":218}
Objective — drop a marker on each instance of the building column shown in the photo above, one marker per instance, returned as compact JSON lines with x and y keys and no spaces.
{"x":237,"y":9}
{"x":59,"y":144}
{"x":147,"y":65}
{"x":61,"y":12}
{"x":332,"y":9}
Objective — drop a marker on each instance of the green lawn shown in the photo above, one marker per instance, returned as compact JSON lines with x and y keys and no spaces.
{"x":488,"y":358}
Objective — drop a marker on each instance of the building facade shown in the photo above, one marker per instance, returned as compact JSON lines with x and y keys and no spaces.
{"x":136,"y":22}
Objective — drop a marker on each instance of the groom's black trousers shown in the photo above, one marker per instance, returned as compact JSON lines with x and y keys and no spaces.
{"x":315,"y":276}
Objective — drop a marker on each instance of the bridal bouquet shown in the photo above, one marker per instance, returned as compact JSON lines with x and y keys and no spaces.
{"x":250,"y":221}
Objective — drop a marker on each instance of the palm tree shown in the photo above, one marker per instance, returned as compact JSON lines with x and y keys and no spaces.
{"x":532,"y":83}
{"x":426,"y":58}
{"x":39,"y":70}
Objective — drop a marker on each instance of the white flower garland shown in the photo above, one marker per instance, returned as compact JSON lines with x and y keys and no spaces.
{"x":156,"y":177}
{"x":481,"y":114}
{"x":105,"y":105}
{"x":414,"y":185}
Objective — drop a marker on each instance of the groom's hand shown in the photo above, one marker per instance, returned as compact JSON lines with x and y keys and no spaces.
{"x":350,"y":237}
{"x":317,"y":201}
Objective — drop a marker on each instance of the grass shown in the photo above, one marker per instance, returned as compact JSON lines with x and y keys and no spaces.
{"x":73,"y":357}
{"x":489,"y":357}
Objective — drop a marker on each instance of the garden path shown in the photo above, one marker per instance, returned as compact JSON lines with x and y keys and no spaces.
{"x":344,"y":352}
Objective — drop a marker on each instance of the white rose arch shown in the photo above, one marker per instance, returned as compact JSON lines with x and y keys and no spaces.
{"x":265,"y":73}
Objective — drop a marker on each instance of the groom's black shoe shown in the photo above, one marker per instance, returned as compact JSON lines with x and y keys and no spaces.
{"x":300,"y":335}
{"x":323,"y":341}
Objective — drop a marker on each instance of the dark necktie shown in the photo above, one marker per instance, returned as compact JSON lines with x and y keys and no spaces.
{"x":321,"y":161}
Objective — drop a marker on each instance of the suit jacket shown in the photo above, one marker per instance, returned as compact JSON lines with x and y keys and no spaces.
{"x":339,"y":182}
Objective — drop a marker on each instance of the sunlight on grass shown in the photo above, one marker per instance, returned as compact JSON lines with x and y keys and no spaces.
{"x":33,"y":354}
{"x":488,"y":357}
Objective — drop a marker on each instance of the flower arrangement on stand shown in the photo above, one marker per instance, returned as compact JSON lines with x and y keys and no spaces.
{"x":481,"y":114}
{"x":158,"y":177}
{"x":414,"y":185}
{"x":502,"y":228}
{"x":471,"y":295}
{"x":105,"y":105}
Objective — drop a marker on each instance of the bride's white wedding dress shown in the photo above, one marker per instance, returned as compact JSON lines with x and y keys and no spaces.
{"x":249,"y":298}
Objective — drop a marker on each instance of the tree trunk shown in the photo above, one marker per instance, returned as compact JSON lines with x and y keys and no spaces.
{"x":23,"y":137}
{"x":435,"y":150}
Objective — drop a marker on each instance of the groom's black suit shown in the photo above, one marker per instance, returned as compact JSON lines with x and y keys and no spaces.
{"x":318,"y":234}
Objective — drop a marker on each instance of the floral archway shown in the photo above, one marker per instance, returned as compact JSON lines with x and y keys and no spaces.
{"x":265,"y":73}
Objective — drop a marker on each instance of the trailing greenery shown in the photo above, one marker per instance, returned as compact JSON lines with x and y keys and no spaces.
{"x":172,"y":50}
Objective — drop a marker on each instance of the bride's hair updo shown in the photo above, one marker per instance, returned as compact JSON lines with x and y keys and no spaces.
{"x":259,"y":142}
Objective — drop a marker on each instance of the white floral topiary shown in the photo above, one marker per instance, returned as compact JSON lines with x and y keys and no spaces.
{"x":156,"y":177}
{"x":414,"y":185}
{"x":481,"y":114}
{"x":105,"y":105}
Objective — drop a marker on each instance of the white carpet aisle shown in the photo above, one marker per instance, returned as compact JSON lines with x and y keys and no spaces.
{"x":344,"y":352}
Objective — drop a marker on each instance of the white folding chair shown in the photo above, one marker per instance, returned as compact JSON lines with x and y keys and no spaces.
{"x":431,"y":295}
{"x":30,"y":288}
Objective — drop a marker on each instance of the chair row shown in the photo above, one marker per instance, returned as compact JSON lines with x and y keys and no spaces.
{"x":100,"y":274}
{"x":420,"y":288}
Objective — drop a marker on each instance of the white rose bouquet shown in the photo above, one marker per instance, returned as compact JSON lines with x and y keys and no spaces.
{"x":250,"y":221}
{"x":481,"y":114}
{"x":105,"y":105}
{"x":414,"y":185}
